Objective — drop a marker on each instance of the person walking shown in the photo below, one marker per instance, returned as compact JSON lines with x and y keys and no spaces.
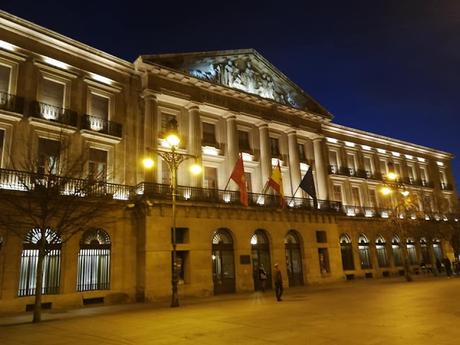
{"x":278,"y":282}
{"x":447,"y":266}
{"x":262,"y":277}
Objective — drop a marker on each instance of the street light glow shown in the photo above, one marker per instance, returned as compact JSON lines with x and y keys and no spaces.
{"x":386,"y":190}
{"x":392,"y":176}
{"x":148,"y":163}
{"x":196,"y":169}
{"x":173,"y":140}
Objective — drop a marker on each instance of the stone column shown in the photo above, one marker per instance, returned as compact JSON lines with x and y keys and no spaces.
{"x":232,"y":148}
{"x":265,"y":154}
{"x":320,"y":167}
{"x":150,"y":133}
{"x":194,"y":141}
{"x":294,"y":162}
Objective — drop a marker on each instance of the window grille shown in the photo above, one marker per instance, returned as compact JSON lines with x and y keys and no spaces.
{"x":94,"y":261}
{"x":29,"y":263}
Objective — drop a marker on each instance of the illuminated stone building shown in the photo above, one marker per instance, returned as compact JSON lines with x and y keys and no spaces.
{"x":225,"y":103}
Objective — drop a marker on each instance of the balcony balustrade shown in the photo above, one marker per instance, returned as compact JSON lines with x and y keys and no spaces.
{"x":52,"y":113}
{"x":97,"y":124}
{"x":25,"y":181}
{"x":11,"y":103}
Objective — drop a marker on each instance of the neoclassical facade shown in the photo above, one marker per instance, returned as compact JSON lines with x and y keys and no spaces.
{"x":226,"y":104}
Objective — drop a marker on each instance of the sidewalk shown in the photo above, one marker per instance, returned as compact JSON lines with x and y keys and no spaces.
{"x":9,"y":319}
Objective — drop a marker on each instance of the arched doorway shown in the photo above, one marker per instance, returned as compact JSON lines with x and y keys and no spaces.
{"x":437,"y":249}
{"x":223,"y":262}
{"x":260,"y":250}
{"x":396,"y":248}
{"x":381,"y":249}
{"x":29,"y":263}
{"x":293,"y":258}
{"x":364,"y":254}
{"x":347,"y":253}
{"x":411,"y":251}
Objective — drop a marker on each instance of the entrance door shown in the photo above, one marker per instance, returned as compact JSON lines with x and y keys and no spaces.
{"x":223,"y":262}
{"x":293,"y":259}
{"x":261,"y":258}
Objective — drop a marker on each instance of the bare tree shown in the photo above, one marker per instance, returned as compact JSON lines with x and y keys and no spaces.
{"x":48,"y":190}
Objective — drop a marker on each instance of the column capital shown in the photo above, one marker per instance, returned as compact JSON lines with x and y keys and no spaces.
{"x":192,"y":106}
{"x":318,"y":138}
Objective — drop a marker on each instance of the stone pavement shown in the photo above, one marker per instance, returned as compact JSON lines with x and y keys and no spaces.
{"x":371,"y":312}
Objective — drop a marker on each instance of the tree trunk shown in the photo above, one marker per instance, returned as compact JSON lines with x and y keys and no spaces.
{"x":39,"y":279}
{"x":405,"y":259}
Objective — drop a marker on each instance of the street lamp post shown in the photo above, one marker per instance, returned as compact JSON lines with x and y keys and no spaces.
{"x":173,"y":159}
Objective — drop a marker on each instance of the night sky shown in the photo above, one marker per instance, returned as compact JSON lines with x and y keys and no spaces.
{"x":389,"y":67}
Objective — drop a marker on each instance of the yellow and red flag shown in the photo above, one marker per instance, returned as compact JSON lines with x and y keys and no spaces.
{"x":276,"y":182}
{"x":239,"y":178}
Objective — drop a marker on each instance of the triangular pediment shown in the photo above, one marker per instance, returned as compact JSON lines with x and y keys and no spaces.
{"x":244,"y":70}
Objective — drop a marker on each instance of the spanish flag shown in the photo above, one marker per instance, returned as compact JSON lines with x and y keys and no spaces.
{"x":239,"y":178}
{"x":276,"y":182}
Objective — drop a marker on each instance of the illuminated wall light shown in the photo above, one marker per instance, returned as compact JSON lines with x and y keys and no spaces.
{"x":365,"y":147}
{"x":381,"y":151}
{"x":260,"y":200}
{"x":420,"y":159}
{"x":409,"y":156}
{"x":441,"y":164}
{"x":248,"y":157}
{"x":396,"y":154}
{"x":101,"y":79}
{"x":227,"y":197}
{"x":369,"y":213}
{"x":55,"y":63}
{"x":349,"y":144}
{"x":210,"y":150}
{"x":7,"y":46}
{"x":332,"y":140}
{"x":384,"y":214}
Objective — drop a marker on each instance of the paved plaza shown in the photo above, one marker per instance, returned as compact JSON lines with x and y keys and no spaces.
{"x":370,"y":312}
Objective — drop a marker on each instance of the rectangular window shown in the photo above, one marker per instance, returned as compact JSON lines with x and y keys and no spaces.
{"x":210,"y":178}
{"x":355,"y":195}
{"x":182,"y":235}
{"x":411,"y":173}
{"x":274,"y":146}
{"x":5,"y":73}
{"x":165,"y":174}
{"x":351,"y":162}
{"x":337,"y":189}
{"x":398,"y":169}
{"x":323,"y":256}
{"x":443,"y":178}
{"x":302,"y":153}
{"x":321,"y":236}
{"x":243,"y":141}
{"x":165,"y":119}
{"x":97,"y":165}
{"x":248,"y":180}
{"x":100,"y":106}
{"x":48,"y":156}
{"x":372,"y":198}
{"x":383,"y":167}
{"x":2,"y":138}
{"x":52,"y":93}
{"x":423,"y":176}
{"x":209,"y":134}
{"x":368,"y":166}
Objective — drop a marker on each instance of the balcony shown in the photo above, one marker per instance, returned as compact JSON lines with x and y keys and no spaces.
{"x":194,"y":194}
{"x":446,"y":186}
{"x":99,"y":125}
{"x":52,"y":113}
{"x":27,"y":182}
{"x":11,"y":103}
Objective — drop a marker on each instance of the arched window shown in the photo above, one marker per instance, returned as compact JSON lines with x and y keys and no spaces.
{"x":29,"y":263}
{"x":223,"y":262}
{"x":396,"y":247}
{"x":347,"y":252}
{"x":437,"y":249}
{"x":381,"y":249}
{"x":411,"y":251}
{"x":94,"y":261}
{"x":293,"y":258}
{"x":260,"y":251}
{"x":426,"y":259}
{"x":364,"y":254}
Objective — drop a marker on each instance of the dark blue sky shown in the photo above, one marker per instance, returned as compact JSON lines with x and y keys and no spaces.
{"x":390,"y":67}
